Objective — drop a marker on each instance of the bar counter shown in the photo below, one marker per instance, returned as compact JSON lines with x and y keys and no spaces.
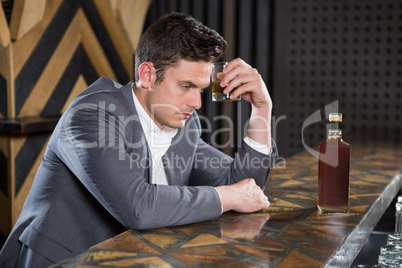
{"x":290,"y":233}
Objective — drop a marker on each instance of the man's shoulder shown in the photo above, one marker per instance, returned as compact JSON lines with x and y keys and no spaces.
{"x":103,"y":80}
{"x":103,"y":84}
{"x":105,"y":93}
{"x":102,"y":89}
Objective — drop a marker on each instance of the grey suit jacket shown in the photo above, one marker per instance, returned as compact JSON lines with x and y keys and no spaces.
{"x":95,"y":182}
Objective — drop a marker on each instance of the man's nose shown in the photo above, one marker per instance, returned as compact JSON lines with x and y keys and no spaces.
{"x":195,"y":100}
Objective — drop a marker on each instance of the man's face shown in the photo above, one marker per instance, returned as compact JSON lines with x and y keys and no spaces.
{"x":171,"y":102}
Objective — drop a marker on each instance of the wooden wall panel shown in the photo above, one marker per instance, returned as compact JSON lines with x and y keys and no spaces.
{"x":50,"y":51}
{"x":4,"y":31}
{"x":25,"y":15}
{"x":5,"y":187}
{"x":54,"y":68}
{"x":133,"y":24}
{"x":6,"y":88}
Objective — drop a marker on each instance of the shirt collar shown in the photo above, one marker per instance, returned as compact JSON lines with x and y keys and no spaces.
{"x":149,"y":126}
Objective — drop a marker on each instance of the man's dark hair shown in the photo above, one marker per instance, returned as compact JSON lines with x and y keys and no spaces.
{"x":175,"y":37}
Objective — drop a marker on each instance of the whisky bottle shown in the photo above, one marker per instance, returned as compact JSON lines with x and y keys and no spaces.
{"x":333,"y":169}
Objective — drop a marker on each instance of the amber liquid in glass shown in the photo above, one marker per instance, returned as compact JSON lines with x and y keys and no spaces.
{"x":216,"y":87}
{"x":333,"y":176}
{"x":218,"y":95}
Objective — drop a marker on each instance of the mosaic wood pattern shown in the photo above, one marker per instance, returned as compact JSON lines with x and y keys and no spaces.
{"x":50,"y":50}
{"x":291,"y":233}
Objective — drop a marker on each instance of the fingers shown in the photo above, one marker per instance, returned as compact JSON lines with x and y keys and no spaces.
{"x":256,"y":199}
{"x":264,"y":203}
{"x":235,"y":64}
{"x":259,"y":196}
{"x":220,"y":75}
{"x":238,"y":74}
{"x":240,"y":78}
{"x":247,"y":84}
{"x":245,"y":196}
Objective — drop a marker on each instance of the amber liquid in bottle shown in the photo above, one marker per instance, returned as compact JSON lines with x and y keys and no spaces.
{"x":333,"y":172}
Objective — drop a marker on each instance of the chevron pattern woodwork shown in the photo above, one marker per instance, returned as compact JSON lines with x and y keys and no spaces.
{"x":51,"y":50}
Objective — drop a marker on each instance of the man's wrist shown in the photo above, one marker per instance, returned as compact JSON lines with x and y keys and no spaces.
{"x":220,"y":198}
{"x":226,"y":197}
{"x":259,"y":128}
{"x":259,"y":147}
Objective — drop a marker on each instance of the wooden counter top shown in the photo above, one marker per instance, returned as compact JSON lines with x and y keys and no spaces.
{"x":291,"y":233}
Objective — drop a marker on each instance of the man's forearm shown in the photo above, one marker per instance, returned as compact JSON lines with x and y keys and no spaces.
{"x":259,"y":128}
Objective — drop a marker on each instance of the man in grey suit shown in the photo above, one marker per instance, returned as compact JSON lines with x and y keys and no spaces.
{"x":131,"y":157}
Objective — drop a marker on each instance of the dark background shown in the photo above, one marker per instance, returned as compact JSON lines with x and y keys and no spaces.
{"x":310,"y":53}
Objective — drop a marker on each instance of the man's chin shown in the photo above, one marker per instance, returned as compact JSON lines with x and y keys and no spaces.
{"x":182,"y":123}
{"x":176,"y":124}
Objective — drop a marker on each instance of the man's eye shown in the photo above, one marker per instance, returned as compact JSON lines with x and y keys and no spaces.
{"x":185,"y":86}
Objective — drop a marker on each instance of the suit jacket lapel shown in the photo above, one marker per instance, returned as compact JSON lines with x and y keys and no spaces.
{"x":172,"y":161}
{"x":138,"y":135}
{"x":173,"y":174}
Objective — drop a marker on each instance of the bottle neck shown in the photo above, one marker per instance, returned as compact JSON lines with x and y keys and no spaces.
{"x":335,"y":134}
{"x":335,"y":130}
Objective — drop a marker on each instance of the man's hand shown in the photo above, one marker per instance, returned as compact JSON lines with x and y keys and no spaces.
{"x":253,"y":90}
{"x":244,"y":196}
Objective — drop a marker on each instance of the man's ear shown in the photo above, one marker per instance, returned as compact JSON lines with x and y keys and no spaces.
{"x":146,"y":72}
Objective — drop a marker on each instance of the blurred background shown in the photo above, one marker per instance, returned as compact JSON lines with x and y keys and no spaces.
{"x":315,"y":56}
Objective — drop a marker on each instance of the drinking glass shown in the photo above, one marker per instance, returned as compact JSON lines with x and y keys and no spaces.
{"x":390,"y":256}
{"x":395,"y":239}
{"x":398,"y":215}
{"x":217,"y":90}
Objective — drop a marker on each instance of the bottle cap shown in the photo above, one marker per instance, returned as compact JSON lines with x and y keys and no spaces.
{"x":335,"y":117}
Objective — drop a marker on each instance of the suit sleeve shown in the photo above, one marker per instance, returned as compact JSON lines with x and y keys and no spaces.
{"x":212,"y":167}
{"x":97,"y":146}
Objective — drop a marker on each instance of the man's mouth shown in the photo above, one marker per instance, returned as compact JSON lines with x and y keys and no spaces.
{"x":185,"y":115}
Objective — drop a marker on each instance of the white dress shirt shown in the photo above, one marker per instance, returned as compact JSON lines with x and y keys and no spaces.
{"x":159,"y":141}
